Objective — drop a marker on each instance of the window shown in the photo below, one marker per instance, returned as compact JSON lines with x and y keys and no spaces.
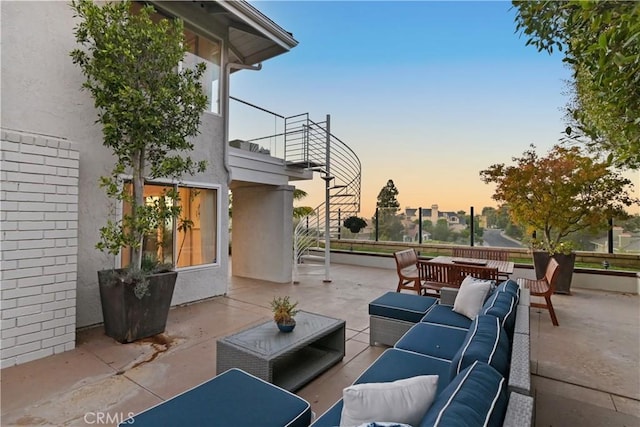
{"x":199,"y":49}
{"x":191,"y":245}
{"x":196,"y":245}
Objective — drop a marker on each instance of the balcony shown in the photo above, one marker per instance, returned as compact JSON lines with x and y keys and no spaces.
{"x":585,"y":370}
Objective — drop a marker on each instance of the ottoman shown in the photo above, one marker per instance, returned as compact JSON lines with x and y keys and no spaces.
{"x":233,"y":398}
{"x":393,"y":314}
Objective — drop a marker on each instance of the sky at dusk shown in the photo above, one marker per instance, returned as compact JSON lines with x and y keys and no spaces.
{"x":426,"y":93}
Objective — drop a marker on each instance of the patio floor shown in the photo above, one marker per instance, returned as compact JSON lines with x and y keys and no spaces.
{"x":586,"y":371}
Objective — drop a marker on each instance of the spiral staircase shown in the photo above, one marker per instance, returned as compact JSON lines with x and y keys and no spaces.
{"x":311,"y":145}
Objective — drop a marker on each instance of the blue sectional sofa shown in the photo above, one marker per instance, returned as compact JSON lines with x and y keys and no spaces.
{"x":482,"y":364}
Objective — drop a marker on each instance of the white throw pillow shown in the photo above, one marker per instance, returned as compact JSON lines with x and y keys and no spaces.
{"x":402,"y":401}
{"x":471,"y":296}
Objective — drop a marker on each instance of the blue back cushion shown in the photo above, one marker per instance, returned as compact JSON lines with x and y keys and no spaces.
{"x":502,"y":305}
{"x":444,"y":315}
{"x":487,"y":342}
{"x":511,"y":287}
{"x":476,"y":397}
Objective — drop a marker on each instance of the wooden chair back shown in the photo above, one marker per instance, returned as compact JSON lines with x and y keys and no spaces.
{"x":452,"y":275}
{"x":550,"y":275}
{"x":407,"y":268}
{"x":480,"y":253}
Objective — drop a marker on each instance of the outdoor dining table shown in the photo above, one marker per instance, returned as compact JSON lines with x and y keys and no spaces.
{"x":504,"y":267}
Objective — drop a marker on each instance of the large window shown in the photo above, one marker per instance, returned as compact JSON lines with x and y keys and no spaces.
{"x":199,"y":49}
{"x":189,"y":241}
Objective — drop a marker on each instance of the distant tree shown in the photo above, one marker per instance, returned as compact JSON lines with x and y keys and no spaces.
{"x":490,"y":215}
{"x":387,"y":198}
{"x":631,"y":224}
{"x":427,"y":226}
{"x":601,"y":42}
{"x":300,"y":211}
{"x":389,"y":224}
{"x":478,"y":231}
{"x":559,"y":194}
{"x":514,"y":231}
{"x":441,"y":231}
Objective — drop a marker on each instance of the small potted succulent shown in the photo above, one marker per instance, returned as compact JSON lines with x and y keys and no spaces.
{"x":283,"y":313}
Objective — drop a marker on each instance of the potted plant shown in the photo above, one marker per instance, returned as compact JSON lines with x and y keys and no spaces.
{"x":283,"y":313}
{"x":148,"y":108}
{"x":556,"y":195}
{"x":355,"y":224}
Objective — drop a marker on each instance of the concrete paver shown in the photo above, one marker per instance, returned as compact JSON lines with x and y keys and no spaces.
{"x":585,"y":370}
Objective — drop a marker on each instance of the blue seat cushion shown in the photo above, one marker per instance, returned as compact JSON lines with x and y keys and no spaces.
{"x":440,"y":341}
{"x":476,"y":397}
{"x":233,"y":398}
{"x":487,"y":342}
{"x":407,"y":307}
{"x":331,"y":418}
{"x":393,"y":364}
{"x":502,"y":305}
{"x":444,"y":315}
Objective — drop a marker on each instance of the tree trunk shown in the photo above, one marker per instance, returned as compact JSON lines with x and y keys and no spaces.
{"x":138,"y":200}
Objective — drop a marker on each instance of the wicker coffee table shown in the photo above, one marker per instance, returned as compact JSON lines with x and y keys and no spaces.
{"x":289,"y":360}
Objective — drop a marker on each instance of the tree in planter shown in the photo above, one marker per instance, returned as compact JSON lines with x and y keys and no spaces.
{"x":148,"y":108}
{"x":559,"y":194}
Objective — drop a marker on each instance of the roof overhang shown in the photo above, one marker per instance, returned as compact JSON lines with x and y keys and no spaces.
{"x":251,"y":36}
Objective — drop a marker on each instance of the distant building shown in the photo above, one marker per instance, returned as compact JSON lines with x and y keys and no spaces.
{"x":622,"y":242}
{"x":454,"y":220}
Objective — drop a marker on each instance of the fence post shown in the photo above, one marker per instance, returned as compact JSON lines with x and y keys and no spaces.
{"x":377,"y":222}
{"x":327,"y":208}
{"x":610,"y":236}
{"x":473,"y":223}
{"x":339,"y":225}
{"x":420,"y":225}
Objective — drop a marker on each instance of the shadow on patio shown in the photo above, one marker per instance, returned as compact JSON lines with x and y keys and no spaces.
{"x":586,"y":372}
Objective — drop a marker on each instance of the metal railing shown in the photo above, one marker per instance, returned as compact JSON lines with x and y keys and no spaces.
{"x":306,"y":144}
{"x":311,"y":145}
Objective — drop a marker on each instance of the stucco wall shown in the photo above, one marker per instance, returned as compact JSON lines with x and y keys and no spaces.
{"x":41,"y":93}
{"x":263,"y":232}
{"x":38,"y":254}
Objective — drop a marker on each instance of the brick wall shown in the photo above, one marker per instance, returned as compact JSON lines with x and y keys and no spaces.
{"x":39,"y":246}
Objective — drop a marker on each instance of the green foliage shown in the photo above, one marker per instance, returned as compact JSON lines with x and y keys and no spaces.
{"x":387,"y":197}
{"x":559,"y":194}
{"x":148,"y":110}
{"x":283,"y":310}
{"x":389,"y":225}
{"x":601,"y":42}
{"x":355,"y":224}
{"x":441,"y":231}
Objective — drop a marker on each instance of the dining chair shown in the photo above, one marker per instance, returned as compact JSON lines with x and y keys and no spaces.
{"x":407,"y":268}
{"x":544,"y":287}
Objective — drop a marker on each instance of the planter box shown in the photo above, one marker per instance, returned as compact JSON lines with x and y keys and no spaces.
{"x":567,"y":262}
{"x":128,"y":318}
